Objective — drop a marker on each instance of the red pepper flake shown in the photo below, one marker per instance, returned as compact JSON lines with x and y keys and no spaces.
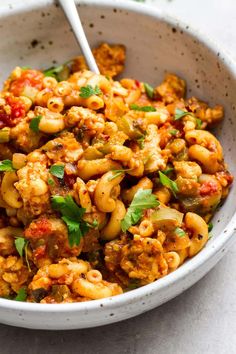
{"x":32,"y":78}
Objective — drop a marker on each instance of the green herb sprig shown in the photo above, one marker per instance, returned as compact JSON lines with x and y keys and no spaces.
{"x":34,"y":123}
{"x":136,"y":107}
{"x":167,"y":182}
{"x":21,"y":295}
{"x":179,"y":113}
{"x":6,"y":166}
{"x":72,"y":216}
{"x":149,"y":90}
{"x":88,"y":91}
{"x":143,"y":199}
{"x":57,"y":171}
{"x":117,"y":173}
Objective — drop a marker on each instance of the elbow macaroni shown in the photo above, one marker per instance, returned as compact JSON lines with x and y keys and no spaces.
{"x":93,"y":143}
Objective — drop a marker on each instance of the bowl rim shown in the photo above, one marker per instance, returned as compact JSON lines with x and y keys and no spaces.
{"x":216,"y":245}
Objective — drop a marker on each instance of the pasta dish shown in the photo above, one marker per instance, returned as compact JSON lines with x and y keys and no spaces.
{"x":105,"y":185}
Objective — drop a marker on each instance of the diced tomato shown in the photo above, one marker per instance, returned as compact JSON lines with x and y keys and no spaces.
{"x":38,"y":229}
{"x":32,"y":78}
{"x":17,"y":111}
{"x":208,"y":188}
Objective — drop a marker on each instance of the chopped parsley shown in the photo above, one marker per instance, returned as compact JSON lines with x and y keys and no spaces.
{"x":210,"y":227}
{"x":59,"y":73}
{"x":168,"y":170}
{"x":88,"y":91}
{"x":199,"y":123}
{"x":143,"y":199}
{"x":34,"y":123}
{"x":179,"y":232}
{"x":179,"y":113}
{"x":141,"y":140}
{"x":135,"y":107}
{"x":117,"y":173}
{"x":21,"y":295}
{"x":51,"y":182}
{"x":72,"y":216}
{"x":57,"y":171}
{"x":6,"y":166}
{"x":174,"y":131}
{"x":167,"y":182}
{"x":149,"y":90}
{"x":21,"y":245}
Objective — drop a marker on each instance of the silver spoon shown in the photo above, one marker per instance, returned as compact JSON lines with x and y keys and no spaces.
{"x":70,"y":10}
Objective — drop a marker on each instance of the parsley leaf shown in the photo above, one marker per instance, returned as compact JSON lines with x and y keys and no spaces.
{"x":199,"y":123}
{"x":59,"y":73}
{"x":117,"y":173}
{"x":135,"y":107}
{"x":20,"y":243}
{"x":34,"y":123}
{"x":167,"y":182}
{"x":143,"y":199}
{"x":6,"y":166}
{"x":88,"y":91}
{"x":210,"y":226}
{"x":51,"y":182}
{"x":141,"y":140}
{"x":57,"y":171}
{"x":179,"y":113}
{"x":21,"y":295}
{"x":149,"y":90}
{"x":179,"y":232}
{"x":174,"y":131}
{"x":72,"y":216}
{"x":168,"y":170}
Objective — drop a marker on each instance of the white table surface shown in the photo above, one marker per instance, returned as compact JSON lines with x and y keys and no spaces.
{"x":201,"y":320}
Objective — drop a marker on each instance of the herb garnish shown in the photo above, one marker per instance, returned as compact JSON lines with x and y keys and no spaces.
{"x":117,"y":173}
{"x":174,"y":131}
{"x":149,"y":90}
{"x":72,"y":216}
{"x":179,"y":232}
{"x":210,"y":226}
{"x":167,"y":182}
{"x":6,"y":166}
{"x":135,"y":107}
{"x":199,"y":123}
{"x":21,"y":295}
{"x":59,"y":73}
{"x":57,"y":171}
{"x":34,"y":123}
{"x":168,"y":170}
{"x":141,"y":140}
{"x":21,"y":245}
{"x":179,"y":113}
{"x":88,"y":91}
{"x":143,"y":199}
{"x":51,"y":182}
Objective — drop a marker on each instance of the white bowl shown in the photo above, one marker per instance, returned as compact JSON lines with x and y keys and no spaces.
{"x":37,"y":36}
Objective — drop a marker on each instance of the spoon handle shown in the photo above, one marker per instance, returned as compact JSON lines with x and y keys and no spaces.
{"x":70,"y":10}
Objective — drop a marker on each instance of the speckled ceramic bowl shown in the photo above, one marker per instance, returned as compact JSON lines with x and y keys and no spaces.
{"x":38,"y":36}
